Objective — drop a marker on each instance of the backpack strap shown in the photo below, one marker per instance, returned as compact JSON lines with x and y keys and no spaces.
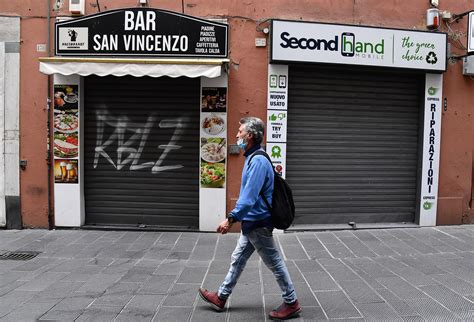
{"x":260,"y":152}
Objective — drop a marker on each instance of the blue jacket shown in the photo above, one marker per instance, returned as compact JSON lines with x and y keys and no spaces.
{"x":259,"y":174}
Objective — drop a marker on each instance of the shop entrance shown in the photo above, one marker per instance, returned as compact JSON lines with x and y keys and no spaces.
{"x":353,"y":144}
{"x":141,"y":143}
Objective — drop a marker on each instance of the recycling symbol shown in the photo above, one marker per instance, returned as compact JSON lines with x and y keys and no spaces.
{"x":276,"y":152}
{"x":427,"y":205}
{"x":431,"y":58}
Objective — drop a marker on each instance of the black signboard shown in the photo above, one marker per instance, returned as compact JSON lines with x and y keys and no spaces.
{"x":141,"y":32}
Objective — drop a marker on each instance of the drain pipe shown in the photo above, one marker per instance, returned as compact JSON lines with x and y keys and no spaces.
{"x":48,"y":130}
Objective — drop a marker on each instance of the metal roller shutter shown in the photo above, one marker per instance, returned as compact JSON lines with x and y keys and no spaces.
{"x":353,"y":138}
{"x":141,"y":142}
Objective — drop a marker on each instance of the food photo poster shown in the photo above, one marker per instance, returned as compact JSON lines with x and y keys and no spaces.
{"x":66,"y":98}
{"x":212,"y":174}
{"x":66,"y":171}
{"x":213,"y":124}
{"x":66,"y":133}
{"x":213,"y":155}
{"x":214,"y":99}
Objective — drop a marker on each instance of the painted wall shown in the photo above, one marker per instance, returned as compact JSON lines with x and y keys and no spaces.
{"x":9,"y":121}
{"x":247,"y":82}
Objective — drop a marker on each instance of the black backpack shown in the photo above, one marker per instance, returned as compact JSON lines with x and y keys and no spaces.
{"x":283,"y":206}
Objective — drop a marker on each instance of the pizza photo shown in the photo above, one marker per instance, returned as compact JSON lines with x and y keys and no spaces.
{"x":66,"y":123}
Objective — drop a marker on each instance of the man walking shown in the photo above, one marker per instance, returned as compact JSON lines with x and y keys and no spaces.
{"x":255,"y":218}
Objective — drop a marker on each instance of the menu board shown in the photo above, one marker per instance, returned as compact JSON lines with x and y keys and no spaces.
{"x":213,"y":137}
{"x":66,"y":133}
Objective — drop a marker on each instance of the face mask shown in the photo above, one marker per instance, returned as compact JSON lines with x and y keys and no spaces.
{"x":241,"y":143}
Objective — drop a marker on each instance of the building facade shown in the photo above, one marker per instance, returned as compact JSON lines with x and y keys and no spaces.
{"x":125,"y":115}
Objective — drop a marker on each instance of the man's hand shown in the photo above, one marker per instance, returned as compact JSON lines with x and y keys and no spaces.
{"x":224,"y":227}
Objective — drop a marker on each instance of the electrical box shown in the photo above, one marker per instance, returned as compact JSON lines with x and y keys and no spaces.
{"x":468,"y":66}
{"x":77,"y":7}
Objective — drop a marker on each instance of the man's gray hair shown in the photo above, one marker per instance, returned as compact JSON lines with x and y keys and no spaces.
{"x":255,"y":126}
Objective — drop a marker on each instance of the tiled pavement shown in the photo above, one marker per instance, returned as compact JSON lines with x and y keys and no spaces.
{"x":412,"y":274}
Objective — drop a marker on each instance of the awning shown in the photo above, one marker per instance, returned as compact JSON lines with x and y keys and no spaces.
{"x":210,"y":68}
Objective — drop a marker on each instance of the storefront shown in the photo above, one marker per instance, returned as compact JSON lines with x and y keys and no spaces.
{"x":354,"y":120}
{"x":353,"y":148}
{"x":140,"y":120}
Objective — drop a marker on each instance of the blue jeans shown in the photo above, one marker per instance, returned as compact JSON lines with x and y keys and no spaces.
{"x":260,"y":239}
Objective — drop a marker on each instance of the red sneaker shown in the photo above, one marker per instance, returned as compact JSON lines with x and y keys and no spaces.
{"x":212,"y":298}
{"x":285,"y":311}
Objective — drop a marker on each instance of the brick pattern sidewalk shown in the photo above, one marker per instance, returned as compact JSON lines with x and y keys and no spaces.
{"x":373,"y":275}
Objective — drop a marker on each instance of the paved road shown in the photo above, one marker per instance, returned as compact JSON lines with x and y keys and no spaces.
{"x":411,"y":274}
